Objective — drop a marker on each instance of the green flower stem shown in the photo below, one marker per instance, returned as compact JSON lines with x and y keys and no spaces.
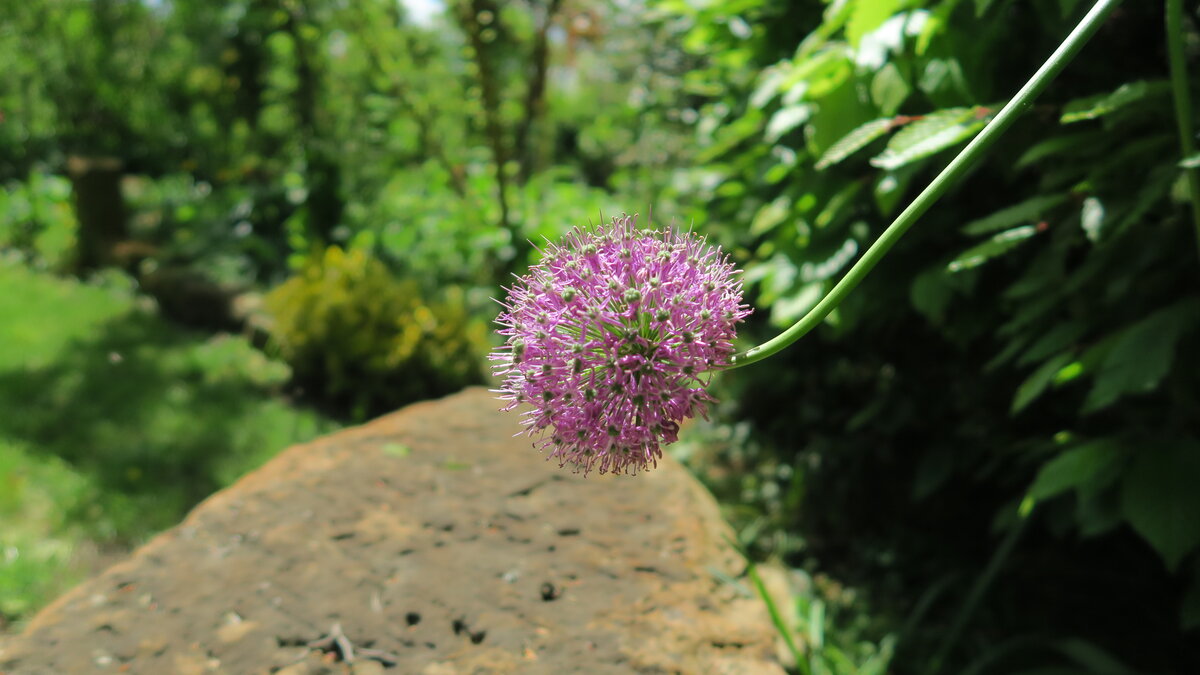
{"x":938,"y":187}
{"x":1183,"y":102}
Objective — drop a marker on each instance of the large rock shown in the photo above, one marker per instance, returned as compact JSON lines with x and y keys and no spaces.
{"x":429,"y":541}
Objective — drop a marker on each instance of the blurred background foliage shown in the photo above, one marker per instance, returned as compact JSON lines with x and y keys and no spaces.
{"x":231,"y":225}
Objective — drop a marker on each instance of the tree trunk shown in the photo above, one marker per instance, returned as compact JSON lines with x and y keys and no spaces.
{"x":99,"y":209}
{"x":469,"y":12}
{"x":535,"y":98}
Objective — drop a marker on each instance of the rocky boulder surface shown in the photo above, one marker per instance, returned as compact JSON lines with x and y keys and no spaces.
{"x":430,"y":541}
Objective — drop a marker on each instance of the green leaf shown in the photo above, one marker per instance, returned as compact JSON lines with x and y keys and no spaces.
{"x":1160,"y":499}
{"x":1085,"y":468}
{"x":936,"y":23}
{"x":878,"y":663}
{"x":889,"y":89}
{"x":770,"y":81}
{"x":854,"y":141}
{"x":869,"y":15}
{"x":825,"y":263}
{"x":816,"y":624}
{"x":1141,"y":354}
{"x":997,"y":245}
{"x":1189,"y":608}
{"x":981,"y":6}
{"x":1095,"y":660}
{"x":1100,"y":105}
{"x":1071,"y":144}
{"x":1051,"y":342}
{"x":1191,"y":162}
{"x":785,"y":310}
{"x":1036,"y":383}
{"x":732,"y":134}
{"x":943,"y":82}
{"x":1096,"y":514}
{"x":1028,"y":211}
{"x":833,"y":208}
{"x":1005,"y":355}
{"x":890,"y":186}
{"x":928,"y":135}
{"x":816,"y":76}
{"x":786,"y":119}
{"x":770,"y":216}
{"x":838,"y":113}
{"x":1154,"y":188}
{"x":930,"y":294}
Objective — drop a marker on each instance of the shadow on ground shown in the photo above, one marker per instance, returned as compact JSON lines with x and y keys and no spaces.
{"x":156,"y":416}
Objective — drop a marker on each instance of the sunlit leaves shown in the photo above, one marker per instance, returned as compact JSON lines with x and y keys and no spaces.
{"x":770,"y":215}
{"x":813,"y":78}
{"x":855,"y":141}
{"x":728,"y":136}
{"x":795,"y":305}
{"x":868,"y":15}
{"x":931,"y":134}
{"x":786,"y":119}
{"x":1104,"y":104}
{"x":998,"y":244}
{"x":889,"y":89}
{"x":838,"y":113}
{"x":770,"y":80}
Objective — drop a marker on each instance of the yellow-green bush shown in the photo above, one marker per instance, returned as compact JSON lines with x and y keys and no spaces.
{"x":361,"y":339}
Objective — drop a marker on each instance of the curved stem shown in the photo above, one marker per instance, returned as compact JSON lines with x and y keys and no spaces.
{"x":939,"y":186}
{"x":1183,"y":103}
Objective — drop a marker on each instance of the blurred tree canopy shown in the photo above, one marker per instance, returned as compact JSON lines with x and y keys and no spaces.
{"x":268,"y":129}
{"x":1016,"y":386}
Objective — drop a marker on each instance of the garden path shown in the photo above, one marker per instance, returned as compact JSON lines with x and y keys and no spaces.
{"x":428,"y":541}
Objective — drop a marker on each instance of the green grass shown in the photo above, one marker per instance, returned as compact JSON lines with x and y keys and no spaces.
{"x":113,"y":423}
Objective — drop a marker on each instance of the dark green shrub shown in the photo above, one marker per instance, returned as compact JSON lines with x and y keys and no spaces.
{"x":1020,"y":363}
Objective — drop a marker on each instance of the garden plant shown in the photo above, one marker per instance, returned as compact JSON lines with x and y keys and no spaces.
{"x":227,"y":226}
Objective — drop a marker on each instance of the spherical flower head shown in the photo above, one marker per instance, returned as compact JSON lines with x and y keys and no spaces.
{"x":612,"y":339}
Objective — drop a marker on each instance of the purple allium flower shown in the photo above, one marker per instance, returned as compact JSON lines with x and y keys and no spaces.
{"x":611,"y":339}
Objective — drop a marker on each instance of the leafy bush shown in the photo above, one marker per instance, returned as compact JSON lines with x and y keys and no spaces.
{"x":367,"y":341}
{"x":36,"y":220}
{"x":1019,"y":358}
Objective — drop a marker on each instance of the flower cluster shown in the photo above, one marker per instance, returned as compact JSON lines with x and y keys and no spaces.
{"x":611,"y":340}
